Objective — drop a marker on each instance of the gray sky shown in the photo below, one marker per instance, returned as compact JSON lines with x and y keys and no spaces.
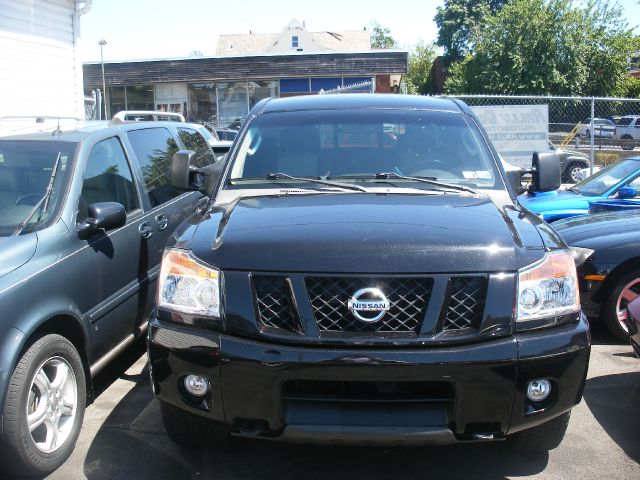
{"x":141,"y":29}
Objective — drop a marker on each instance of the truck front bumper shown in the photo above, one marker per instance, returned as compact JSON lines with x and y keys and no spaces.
{"x":438,"y":395}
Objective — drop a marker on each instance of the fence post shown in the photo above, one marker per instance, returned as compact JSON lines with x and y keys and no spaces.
{"x":593,"y":135}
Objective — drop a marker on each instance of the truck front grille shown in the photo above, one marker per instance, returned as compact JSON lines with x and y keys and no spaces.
{"x":274,"y":300}
{"x":408,"y":299}
{"x":466,"y":303}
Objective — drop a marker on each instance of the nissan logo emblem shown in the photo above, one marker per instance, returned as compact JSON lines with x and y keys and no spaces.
{"x":368,"y":305}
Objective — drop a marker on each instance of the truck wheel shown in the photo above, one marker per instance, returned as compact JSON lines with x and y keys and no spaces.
{"x":544,"y":437}
{"x":615,"y":306}
{"x":627,"y":145}
{"x":572,"y":173}
{"x":588,"y":134}
{"x":190,"y":430}
{"x":44,"y":408}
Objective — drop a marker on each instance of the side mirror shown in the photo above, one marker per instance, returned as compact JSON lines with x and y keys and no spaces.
{"x":181,"y":169}
{"x":545,"y":172}
{"x":627,"y":192}
{"x":211,"y":176}
{"x":102,"y":216}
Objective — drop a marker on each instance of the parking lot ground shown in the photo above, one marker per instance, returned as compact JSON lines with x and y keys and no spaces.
{"x":123,"y":438}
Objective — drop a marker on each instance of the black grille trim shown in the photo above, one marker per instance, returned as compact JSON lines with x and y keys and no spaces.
{"x":409,"y":298}
{"x":275,"y":303}
{"x":467,"y":297}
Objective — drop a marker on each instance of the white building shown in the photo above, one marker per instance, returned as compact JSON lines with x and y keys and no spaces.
{"x":40,"y":70}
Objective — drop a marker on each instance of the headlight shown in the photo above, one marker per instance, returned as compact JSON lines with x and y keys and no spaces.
{"x":548,"y":288}
{"x":188,"y":286}
{"x":580,"y":255}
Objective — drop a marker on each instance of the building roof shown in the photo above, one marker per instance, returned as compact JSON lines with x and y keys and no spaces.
{"x":239,"y":44}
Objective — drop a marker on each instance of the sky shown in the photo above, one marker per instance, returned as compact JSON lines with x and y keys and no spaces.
{"x":143,"y":29}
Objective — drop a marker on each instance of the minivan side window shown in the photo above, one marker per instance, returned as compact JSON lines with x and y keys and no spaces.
{"x":194,"y":141}
{"x":107,"y":178}
{"x":154,"y":149}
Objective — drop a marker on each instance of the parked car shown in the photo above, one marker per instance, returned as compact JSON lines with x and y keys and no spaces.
{"x":607,"y":251}
{"x":617,"y":182}
{"x":349,"y":285}
{"x":571,"y":162}
{"x":220,"y":147}
{"x":628,"y":131}
{"x":146,"y":116}
{"x":602,"y":128}
{"x":633,"y":324}
{"x":84,"y":216}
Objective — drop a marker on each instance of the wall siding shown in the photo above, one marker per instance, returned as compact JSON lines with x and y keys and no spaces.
{"x":39,"y":70}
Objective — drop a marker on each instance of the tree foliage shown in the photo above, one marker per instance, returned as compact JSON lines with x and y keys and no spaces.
{"x":381,"y":37}
{"x":418,"y":77}
{"x":459,"y":23}
{"x":547,"y":47}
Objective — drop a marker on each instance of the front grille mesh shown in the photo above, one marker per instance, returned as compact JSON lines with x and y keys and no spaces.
{"x":466,"y":303}
{"x":408,"y":298}
{"x":275,"y":303}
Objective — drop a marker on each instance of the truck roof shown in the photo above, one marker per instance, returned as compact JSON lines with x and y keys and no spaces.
{"x":361,"y":101}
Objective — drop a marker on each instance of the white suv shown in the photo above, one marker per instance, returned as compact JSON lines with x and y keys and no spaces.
{"x":628,"y":131}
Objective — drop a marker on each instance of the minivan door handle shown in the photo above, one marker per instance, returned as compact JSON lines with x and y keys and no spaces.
{"x":145,"y":230}
{"x":162,"y":221}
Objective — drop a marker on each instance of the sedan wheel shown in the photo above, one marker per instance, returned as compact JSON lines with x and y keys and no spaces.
{"x":615,"y":309}
{"x":630,"y":292}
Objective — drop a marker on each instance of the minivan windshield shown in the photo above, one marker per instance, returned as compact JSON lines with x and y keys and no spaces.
{"x":359,"y":145}
{"x":601,"y":182}
{"x":32,"y":179}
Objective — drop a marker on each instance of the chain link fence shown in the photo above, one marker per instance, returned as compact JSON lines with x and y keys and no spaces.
{"x":604,"y":129}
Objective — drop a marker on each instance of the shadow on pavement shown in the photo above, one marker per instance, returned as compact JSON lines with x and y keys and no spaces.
{"x":614,"y":401}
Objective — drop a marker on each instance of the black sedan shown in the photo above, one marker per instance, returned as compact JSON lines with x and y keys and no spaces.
{"x":606,"y":247}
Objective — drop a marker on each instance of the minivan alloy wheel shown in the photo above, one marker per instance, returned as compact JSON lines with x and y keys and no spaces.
{"x":52,"y":403}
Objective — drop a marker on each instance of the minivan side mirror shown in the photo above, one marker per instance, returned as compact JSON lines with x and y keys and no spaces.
{"x":102,"y":216}
{"x":545,"y":172}
{"x":627,"y":192}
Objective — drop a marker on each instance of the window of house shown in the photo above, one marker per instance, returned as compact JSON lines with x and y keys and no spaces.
{"x":294,"y":41}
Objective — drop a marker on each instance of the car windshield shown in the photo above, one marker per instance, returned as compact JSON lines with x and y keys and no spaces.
{"x":601,"y":182}
{"x":27,"y":171}
{"x":354,"y":146}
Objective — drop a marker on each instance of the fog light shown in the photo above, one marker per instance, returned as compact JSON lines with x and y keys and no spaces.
{"x":538,"y":390}
{"x":196,"y":385}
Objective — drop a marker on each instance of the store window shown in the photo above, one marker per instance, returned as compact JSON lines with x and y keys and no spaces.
{"x":116,"y":100}
{"x":202,"y":102}
{"x":140,"y":97}
{"x":233,"y":103}
{"x":260,"y":89}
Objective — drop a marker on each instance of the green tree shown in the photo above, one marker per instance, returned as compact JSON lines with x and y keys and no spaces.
{"x":459,"y":23}
{"x":381,"y":37}
{"x":547,"y":47}
{"x":418,"y":77}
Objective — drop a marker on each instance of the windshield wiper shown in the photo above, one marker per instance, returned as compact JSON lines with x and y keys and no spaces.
{"x":429,"y":180}
{"x":44,"y":200}
{"x":280,"y":176}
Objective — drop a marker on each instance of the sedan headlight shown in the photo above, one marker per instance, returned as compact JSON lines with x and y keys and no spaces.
{"x":548,"y":288}
{"x":188,"y":286}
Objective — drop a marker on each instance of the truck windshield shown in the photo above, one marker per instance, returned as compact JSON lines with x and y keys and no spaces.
{"x":355,"y":145}
{"x":601,"y":182}
{"x":32,"y":175}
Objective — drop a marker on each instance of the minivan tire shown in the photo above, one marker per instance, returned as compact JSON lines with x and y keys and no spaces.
{"x":189,"y":430}
{"x":50,"y":364}
{"x":544,"y":437}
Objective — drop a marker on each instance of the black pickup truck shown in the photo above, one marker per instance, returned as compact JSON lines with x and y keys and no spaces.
{"x":364,"y":274}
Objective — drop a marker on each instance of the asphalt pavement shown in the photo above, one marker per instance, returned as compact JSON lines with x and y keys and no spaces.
{"x":123,"y":438}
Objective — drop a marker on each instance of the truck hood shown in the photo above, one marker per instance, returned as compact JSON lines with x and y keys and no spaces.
{"x":15,"y":251}
{"x":366,"y":233}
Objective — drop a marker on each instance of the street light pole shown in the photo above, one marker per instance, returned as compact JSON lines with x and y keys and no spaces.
{"x":102,"y":43}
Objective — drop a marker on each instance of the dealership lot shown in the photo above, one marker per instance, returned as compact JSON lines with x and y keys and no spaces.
{"x":122,"y":437}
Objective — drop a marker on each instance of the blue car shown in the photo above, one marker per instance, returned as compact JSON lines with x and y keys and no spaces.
{"x":617,"y":183}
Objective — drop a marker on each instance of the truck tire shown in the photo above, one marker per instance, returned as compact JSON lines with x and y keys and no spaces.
{"x":544,"y":437}
{"x":189,"y":430}
{"x":614,"y":307}
{"x":43,"y":409}
{"x":626,"y":143}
